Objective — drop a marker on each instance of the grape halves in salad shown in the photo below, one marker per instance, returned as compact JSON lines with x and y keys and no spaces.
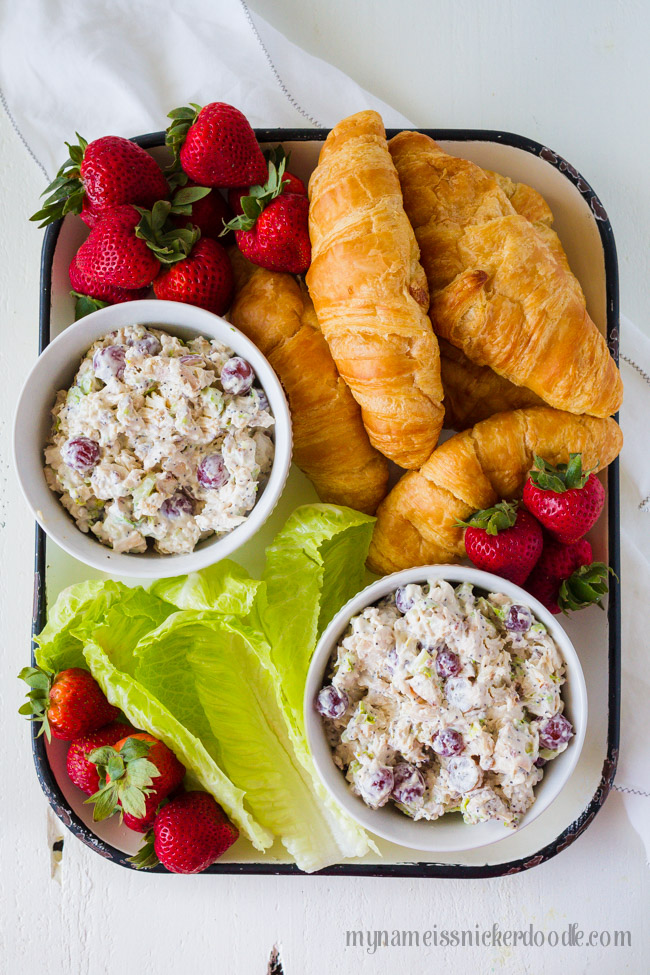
{"x":443,"y":700}
{"x":159,"y":439}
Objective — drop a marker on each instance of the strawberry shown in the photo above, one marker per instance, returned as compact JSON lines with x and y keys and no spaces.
{"x":91,"y":294}
{"x":82,"y":772}
{"x":272,"y":229}
{"x":128,"y":245}
{"x":504,"y":539}
{"x":114,"y":255}
{"x":566,"y":577}
{"x":189,"y":834}
{"x":102,"y":174}
{"x":216,"y":145}
{"x":68,"y":705}
{"x":566,"y":500}
{"x":205,"y":278}
{"x":209,"y":214}
{"x":129,"y":768}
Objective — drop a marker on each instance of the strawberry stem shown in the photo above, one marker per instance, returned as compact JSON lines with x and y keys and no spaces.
{"x":182,"y":120}
{"x":66,"y":191}
{"x":170,"y":244}
{"x":128,"y":776}
{"x":493,"y":520}
{"x":562,"y":477}
{"x":587,"y":585}
{"x":258,"y":198}
{"x":38,"y":698}
{"x":146,"y":857}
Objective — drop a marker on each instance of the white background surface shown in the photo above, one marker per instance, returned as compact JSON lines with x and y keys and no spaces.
{"x":573,"y":76}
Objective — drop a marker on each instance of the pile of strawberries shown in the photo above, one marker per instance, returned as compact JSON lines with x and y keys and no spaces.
{"x":539,"y":543}
{"x":167,"y":229}
{"x":128,"y":772}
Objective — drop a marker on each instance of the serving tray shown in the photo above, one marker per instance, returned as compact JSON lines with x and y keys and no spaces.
{"x":586,"y":233}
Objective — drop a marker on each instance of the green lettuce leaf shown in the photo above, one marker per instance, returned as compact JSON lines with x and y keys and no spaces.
{"x":222,"y":588}
{"x":215,"y":669}
{"x":314,"y":565}
{"x":117,"y":615}
{"x":147,"y":713}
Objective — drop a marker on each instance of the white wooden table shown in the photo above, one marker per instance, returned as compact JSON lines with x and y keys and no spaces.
{"x":571,"y":76}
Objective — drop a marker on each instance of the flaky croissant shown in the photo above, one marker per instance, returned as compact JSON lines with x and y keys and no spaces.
{"x":370,"y":292}
{"x":501,"y":289}
{"x":330,"y":443}
{"x":417,"y":522}
{"x":472,"y":393}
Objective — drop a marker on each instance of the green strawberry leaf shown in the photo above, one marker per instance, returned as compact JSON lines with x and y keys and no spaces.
{"x":85,"y":305}
{"x":190,"y":194}
{"x":560,"y":477}
{"x":131,"y":776}
{"x":259,"y":197}
{"x":587,"y":585}
{"x":66,"y":192}
{"x":38,"y":698}
{"x":146,"y":857}
{"x":182,"y":120}
{"x":493,"y":520}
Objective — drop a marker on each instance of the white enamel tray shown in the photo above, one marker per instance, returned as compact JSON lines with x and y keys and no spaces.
{"x":586,"y":234}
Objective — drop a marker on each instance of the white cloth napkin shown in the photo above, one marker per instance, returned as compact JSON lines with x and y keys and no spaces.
{"x":118,"y":66}
{"x":100,"y":66}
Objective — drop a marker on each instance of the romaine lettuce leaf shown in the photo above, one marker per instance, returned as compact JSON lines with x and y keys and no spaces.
{"x":221,"y":588}
{"x":221,"y":680}
{"x":204,"y":666}
{"x":147,"y":713}
{"x":116,"y":614}
{"x":314,"y":565}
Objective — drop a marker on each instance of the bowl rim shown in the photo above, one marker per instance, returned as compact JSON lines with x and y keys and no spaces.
{"x":70,"y":345}
{"x":377,"y":821}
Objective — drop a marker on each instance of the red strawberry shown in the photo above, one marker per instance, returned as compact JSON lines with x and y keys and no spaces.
{"x":102,"y":174}
{"x":566,"y":500}
{"x":205,"y":278}
{"x":85,"y":284}
{"x":69,"y":705}
{"x":130,"y":767}
{"x":88,"y":214}
{"x":209,"y":214}
{"x":82,"y":772}
{"x":292,"y":184}
{"x":273,"y":229}
{"x":216,"y":145}
{"x":113,"y":254}
{"x":189,"y":834}
{"x":504,"y":539}
{"x":565,"y":577}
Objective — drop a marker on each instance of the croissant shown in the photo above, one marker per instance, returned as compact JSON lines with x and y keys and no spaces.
{"x":501,"y":289}
{"x":370,"y":292}
{"x":330,"y":443}
{"x":472,"y":393}
{"x":417,"y":524}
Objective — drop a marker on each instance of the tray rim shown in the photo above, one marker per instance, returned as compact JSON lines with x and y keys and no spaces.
{"x":44,"y":773}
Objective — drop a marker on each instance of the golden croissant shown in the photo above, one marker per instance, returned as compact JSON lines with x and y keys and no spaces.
{"x":370,"y":292}
{"x":472,"y":393}
{"x":417,"y":524}
{"x":501,"y":288}
{"x":330,"y":443}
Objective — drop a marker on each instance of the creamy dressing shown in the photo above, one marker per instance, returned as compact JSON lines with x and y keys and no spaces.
{"x":440,"y":701}
{"x":146,"y":417}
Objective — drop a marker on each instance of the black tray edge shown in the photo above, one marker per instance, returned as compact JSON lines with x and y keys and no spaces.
{"x":44,"y":773}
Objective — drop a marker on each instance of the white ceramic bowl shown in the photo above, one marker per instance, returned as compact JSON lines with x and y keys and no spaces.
{"x":449,"y":833}
{"x":55,"y":370}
